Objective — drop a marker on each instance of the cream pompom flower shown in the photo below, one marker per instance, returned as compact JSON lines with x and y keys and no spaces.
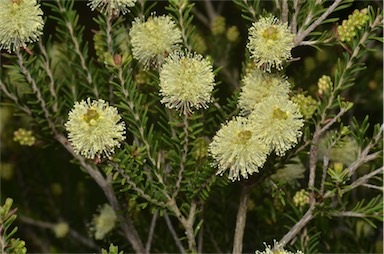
{"x":20,"y":22}
{"x":270,"y":43}
{"x":237,"y":147}
{"x":94,"y":128}
{"x":116,"y":6}
{"x":104,"y":222}
{"x":277,"y":122}
{"x":186,"y":81}
{"x":258,"y":86}
{"x":276,"y":249}
{"x":154,"y":39}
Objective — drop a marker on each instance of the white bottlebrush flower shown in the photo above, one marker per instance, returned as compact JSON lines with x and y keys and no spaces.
{"x":277,"y":249}
{"x":154,"y":39}
{"x":270,"y":43}
{"x":116,"y":6}
{"x":258,"y":85}
{"x":20,"y":22}
{"x":277,"y":122}
{"x":94,"y":128}
{"x":186,"y":81}
{"x":236,"y":147}
{"x":104,"y":222}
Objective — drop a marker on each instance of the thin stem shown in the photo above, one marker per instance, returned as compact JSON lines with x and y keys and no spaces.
{"x":302,"y":34}
{"x":151,"y":232}
{"x":139,"y":191}
{"x":213,"y":241}
{"x":35,"y":89}
{"x":353,"y":214}
{"x":173,"y":233}
{"x":241,"y":220}
{"x":200,"y":240}
{"x":324,"y":175}
{"x":296,"y":8}
{"x":284,"y":11}
{"x":73,"y":233}
{"x":14,"y":98}
{"x":183,"y":159}
{"x":314,"y":150}
{"x":47,"y":68}
{"x":108,"y":32}
{"x":182,"y":26}
{"x":360,"y":181}
{"x":371,"y":186}
{"x":308,"y":216}
{"x":210,"y":10}
{"x":142,"y":9}
{"x":251,"y":10}
{"x":277,"y":3}
{"x":79,"y":53}
{"x":201,"y":17}
{"x":126,"y":224}
{"x":364,"y":156}
{"x":189,"y":227}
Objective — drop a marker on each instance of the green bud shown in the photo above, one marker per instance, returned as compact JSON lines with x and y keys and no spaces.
{"x":233,"y":34}
{"x":218,"y":25}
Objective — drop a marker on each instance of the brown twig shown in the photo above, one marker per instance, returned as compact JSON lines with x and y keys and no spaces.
{"x":126,"y":224}
{"x":173,"y":233}
{"x":151,"y":232}
{"x":241,"y":219}
{"x":300,"y":36}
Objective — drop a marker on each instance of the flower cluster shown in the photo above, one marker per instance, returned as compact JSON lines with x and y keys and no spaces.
{"x":186,"y":81}
{"x":237,"y":147}
{"x":257,"y":86}
{"x":94,"y":128}
{"x":307,"y":105}
{"x":277,"y":249}
{"x":273,"y":124}
{"x":324,"y":84}
{"x":104,"y":222}
{"x":20,"y":22}
{"x":154,"y":39}
{"x":278,"y":122}
{"x":301,"y":198}
{"x":352,"y":25}
{"x":114,"y":6}
{"x":270,"y":43}
{"x":24,"y":137}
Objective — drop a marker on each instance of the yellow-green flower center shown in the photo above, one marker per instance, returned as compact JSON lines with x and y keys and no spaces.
{"x":244,"y":136}
{"x":279,"y":114}
{"x":91,"y":116}
{"x":271,"y":33}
